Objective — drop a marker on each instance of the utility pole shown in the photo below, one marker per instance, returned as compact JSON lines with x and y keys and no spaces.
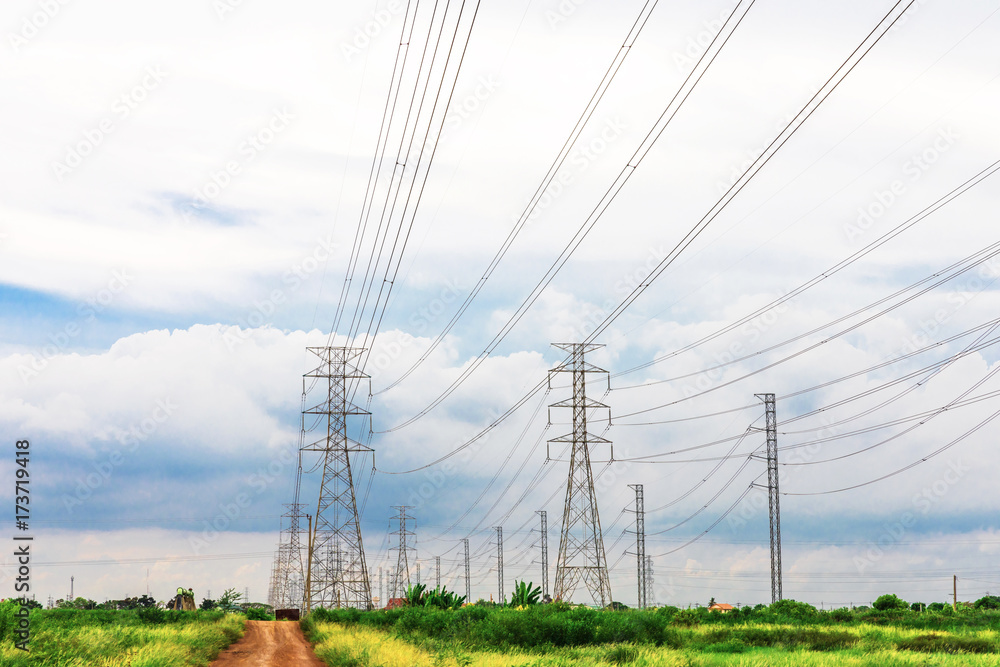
{"x":640,"y":543}
{"x":337,"y":520}
{"x":437,"y":572}
{"x":774,"y":513}
{"x":401,"y":579}
{"x":71,"y":584}
{"x":468,"y":577}
{"x":545,"y":550}
{"x":954,"y":592}
{"x":500,"y":563}
{"x":581,"y":545}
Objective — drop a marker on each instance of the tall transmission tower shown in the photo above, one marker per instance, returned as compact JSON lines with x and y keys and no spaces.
{"x":545,"y":550}
{"x":581,"y":545}
{"x":437,"y":571}
{"x":640,"y":543}
{"x":468,"y":576}
{"x":336,"y":521}
{"x":774,"y":513}
{"x":650,"y":590}
{"x":401,"y":577}
{"x":288,"y":579}
{"x":500,"y":563}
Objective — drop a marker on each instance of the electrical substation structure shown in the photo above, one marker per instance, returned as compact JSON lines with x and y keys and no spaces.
{"x":581,"y":545}
{"x":337,"y":573}
{"x":401,"y":575}
{"x":774,"y":513}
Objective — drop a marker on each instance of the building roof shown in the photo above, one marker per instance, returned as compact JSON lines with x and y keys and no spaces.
{"x":721,"y":606}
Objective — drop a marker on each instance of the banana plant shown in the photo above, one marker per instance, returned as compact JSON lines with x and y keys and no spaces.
{"x":525,"y":594}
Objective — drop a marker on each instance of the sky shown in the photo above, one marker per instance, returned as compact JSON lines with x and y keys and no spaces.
{"x":183,"y":189}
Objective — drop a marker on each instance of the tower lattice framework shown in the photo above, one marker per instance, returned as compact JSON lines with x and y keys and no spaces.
{"x":401,"y":576}
{"x":581,"y":545}
{"x":774,"y":513}
{"x":339,"y":574}
{"x":288,"y":578}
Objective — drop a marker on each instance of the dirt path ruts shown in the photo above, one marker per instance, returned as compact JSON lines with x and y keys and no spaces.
{"x":267,"y":644}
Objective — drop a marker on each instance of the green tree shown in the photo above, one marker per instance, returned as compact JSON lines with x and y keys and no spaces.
{"x":208,"y":605}
{"x":889,"y":602}
{"x":987,"y":602}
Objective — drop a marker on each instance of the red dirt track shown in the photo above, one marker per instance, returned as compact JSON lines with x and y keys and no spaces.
{"x":267,"y":644}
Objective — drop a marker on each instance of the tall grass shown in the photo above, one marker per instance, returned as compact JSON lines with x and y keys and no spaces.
{"x":75,"y":638}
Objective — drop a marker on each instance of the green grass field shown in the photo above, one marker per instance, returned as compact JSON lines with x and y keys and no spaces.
{"x":154,"y":638}
{"x":556,"y":635}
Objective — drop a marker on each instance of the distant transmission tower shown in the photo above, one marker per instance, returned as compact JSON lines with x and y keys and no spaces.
{"x":401,"y":577}
{"x":437,"y":572}
{"x":581,"y":545}
{"x":288,"y":579}
{"x":468,"y":576}
{"x":640,"y":543}
{"x":544,"y":529}
{"x":500,"y":563}
{"x":774,"y":513}
{"x":650,"y":590}
{"x":337,"y":521}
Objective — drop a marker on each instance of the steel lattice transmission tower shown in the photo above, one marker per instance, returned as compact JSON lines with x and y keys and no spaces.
{"x":437,"y":572}
{"x":401,"y":576}
{"x":288,"y":579}
{"x":544,"y":529}
{"x":336,"y":527}
{"x":581,"y":545}
{"x":500,"y":563}
{"x":650,"y":591}
{"x":640,"y":543}
{"x":774,"y":513}
{"x":468,"y":576}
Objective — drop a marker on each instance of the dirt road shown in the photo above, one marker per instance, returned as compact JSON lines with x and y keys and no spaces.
{"x":267,"y":644}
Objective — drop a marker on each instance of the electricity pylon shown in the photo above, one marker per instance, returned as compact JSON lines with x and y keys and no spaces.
{"x":288,"y":578}
{"x":500,"y":563}
{"x":581,"y":545}
{"x":468,"y":577}
{"x":774,"y":513}
{"x":401,"y":577}
{"x":640,"y":543}
{"x":345,"y":584}
{"x":545,"y":550}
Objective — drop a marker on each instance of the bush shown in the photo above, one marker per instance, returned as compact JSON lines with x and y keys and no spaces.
{"x":151,"y":615}
{"x":622,"y":655}
{"x":987,"y":602}
{"x":793,"y":610}
{"x":259,"y":614}
{"x":841,"y":615}
{"x":947,"y":644}
{"x":889,"y":602}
